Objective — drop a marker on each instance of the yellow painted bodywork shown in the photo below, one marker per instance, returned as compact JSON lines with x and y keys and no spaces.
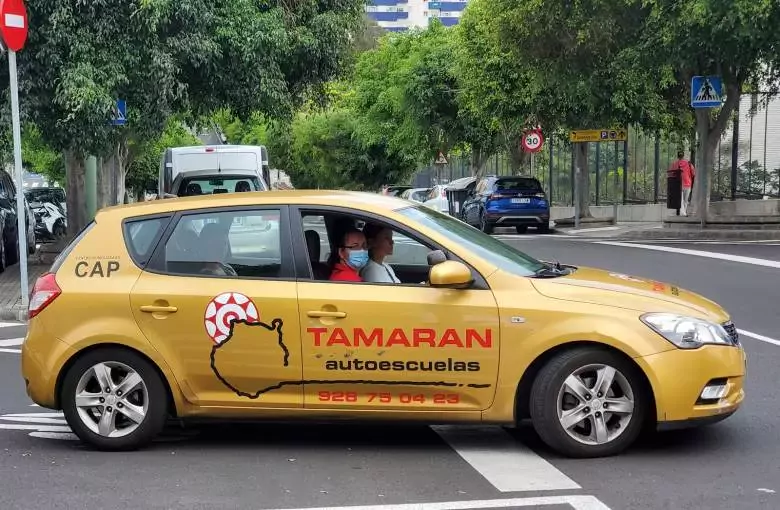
{"x":437,"y":354}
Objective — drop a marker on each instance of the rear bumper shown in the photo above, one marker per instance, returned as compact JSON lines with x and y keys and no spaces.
{"x":518,"y":217}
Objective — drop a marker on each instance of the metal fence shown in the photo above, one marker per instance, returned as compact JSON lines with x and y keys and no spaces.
{"x":748,"y":155}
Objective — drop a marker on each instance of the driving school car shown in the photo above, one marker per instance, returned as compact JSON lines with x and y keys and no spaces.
{"x":194,"y":307}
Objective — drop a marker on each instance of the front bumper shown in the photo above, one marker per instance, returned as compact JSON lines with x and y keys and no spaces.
{"x":679,"y":376}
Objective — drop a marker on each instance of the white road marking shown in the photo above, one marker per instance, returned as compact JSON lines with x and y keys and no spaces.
{"x":62,"y":436}
{"x":504,"y":462}
{"x":10,"y":324}
{"x":698,"y":253}
{"x":759,"y":337}
{"x":10,"y":342}
{"x":575,"y":502}
{"x":11,"y":351}
{"x":594,"y":229}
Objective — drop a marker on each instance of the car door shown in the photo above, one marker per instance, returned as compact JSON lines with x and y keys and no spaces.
{"x":218,"y":300}
{"x":398,"y":347}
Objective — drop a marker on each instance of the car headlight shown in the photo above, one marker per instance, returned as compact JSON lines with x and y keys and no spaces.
{"x":687,"y":332}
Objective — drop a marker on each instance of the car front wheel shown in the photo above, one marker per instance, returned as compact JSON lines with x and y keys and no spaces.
{"x":589,"y":402}
{"x":114,"y":399}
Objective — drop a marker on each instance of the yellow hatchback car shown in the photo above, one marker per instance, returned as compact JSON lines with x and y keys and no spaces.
{"x":223,"y":306}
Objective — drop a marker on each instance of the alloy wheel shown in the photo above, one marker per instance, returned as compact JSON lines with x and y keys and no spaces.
{"x":595,"y":404}
{"x":111,"y":399}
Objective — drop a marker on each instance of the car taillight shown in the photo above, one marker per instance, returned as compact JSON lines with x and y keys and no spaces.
{"x":540,"y":195}
{"x":43,"y":294}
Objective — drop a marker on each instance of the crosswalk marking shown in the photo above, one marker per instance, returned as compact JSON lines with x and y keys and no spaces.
{"x":506,"y":463}
{"x":10,"y":342}
{"x":10,"y":324}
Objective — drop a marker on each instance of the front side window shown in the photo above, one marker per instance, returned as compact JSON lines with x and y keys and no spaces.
{"x":468,"y":238}
{"x":243,"y":244}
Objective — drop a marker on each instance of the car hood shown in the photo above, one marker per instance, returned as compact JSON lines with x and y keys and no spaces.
{"x":588,"y":285}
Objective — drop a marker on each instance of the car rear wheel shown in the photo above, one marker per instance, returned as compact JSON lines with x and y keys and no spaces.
{"x":114,"y":399}
{"x":521,"y":229}
{"x":544,"y":229}
{"x":588,"y":402}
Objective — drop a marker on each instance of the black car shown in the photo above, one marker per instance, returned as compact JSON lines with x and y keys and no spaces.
{"x":9,"y":238}
{"x":508,"y":201}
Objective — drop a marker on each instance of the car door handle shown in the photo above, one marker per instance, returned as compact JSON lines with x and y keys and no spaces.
{"x":159,"y":309}
{"x":331,"y":315}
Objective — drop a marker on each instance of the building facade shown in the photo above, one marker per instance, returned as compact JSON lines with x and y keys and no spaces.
{"x":401,"y":15}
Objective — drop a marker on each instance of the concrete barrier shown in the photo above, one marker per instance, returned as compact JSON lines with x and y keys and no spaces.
{"x":647,"y":213}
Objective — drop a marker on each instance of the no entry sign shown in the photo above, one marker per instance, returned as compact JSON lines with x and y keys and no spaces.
{"x":533,"y":140}
{"x":13,"y":24}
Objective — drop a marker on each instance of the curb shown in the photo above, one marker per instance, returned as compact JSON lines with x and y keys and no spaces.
{"x":702,"y":235}
{"x":13,"y":313}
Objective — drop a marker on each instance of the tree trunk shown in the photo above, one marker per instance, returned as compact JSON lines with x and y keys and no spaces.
{"x":122,"y":160}
{"x":518,"y":158}
{"x":710,"y":131}
{"x":582,"y":174}
{"x":478,"y":159}
{"x":76,"y":199}
{"x":103,"y":183}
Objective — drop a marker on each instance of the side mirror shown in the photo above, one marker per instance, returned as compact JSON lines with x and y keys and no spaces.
{"x":450,"y":274}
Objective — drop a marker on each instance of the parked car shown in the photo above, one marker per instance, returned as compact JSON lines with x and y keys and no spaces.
{"x":394,"y":190}
{"x":437,"y":199}
{"x":51,"y":194}
{"x":508,"y":201}
{"x":9,"y":238}
{"x":415,"y":194}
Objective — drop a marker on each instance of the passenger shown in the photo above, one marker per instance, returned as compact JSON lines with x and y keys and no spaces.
{"x":380,"y":245}
{"x":350,"y":258}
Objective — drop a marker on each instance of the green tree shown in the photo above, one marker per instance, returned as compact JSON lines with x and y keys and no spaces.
{"x":735,"y":39}
{"x":143,"y":170}
{"x":328,"y":152}
{"x":556,"y":64}
{"x":169,"y":56}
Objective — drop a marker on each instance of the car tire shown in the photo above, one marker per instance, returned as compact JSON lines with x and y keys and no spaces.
{"x":551,"y":399}
{"x":149,"y":396}
{"x":521,"y":229}
{"x":484,"y":225}
{"x":543,"y":229}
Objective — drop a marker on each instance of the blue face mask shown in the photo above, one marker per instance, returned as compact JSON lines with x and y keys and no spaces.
{"x":358,"y":258}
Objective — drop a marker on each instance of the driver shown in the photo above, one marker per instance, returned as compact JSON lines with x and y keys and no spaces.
{"x":380,"y":245}
{"x":350,"y":258}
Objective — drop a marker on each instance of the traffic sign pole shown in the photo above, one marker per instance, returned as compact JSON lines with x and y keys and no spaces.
{"x":21,"y":213}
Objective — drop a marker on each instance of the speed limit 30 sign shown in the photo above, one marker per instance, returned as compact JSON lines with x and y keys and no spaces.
{"x":533,"y":140}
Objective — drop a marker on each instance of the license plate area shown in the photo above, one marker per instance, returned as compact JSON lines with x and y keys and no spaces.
{"x":521,"y":200}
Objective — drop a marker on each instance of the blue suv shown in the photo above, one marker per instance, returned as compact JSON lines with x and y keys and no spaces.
{"x":510,"y":201}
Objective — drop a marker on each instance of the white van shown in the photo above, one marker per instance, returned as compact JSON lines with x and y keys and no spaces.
{"x":212,"y":169}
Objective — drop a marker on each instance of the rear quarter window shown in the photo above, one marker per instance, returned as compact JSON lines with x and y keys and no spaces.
{"x":141,"y":236}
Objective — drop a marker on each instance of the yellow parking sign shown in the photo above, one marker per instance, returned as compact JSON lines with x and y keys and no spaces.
{"x":599,"y":135}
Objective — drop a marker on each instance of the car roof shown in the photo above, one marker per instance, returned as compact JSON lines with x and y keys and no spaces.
{"x":358,"y":199}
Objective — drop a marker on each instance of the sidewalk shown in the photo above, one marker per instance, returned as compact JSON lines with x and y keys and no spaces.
{"x":10,"y":286}
{"x":636,"y":231}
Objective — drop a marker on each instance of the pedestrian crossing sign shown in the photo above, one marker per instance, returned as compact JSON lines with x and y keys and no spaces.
{"x":706,"y":92}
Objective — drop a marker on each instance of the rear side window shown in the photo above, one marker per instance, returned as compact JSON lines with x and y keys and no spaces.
{"x":141,"y":237}
{"x":518,"y":183}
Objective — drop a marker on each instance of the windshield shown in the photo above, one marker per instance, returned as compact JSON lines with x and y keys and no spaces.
{"x":491,"y":249}
{"x":213,"y":186}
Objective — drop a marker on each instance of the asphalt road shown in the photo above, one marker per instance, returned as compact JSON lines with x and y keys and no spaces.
{"x":732,"y":465}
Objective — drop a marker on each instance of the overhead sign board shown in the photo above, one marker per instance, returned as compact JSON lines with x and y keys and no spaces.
{"x":706,"y":92}
{"x":599,"y":135}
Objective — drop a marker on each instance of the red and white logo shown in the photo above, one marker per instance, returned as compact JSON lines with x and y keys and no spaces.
{"x":224,"y":310}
